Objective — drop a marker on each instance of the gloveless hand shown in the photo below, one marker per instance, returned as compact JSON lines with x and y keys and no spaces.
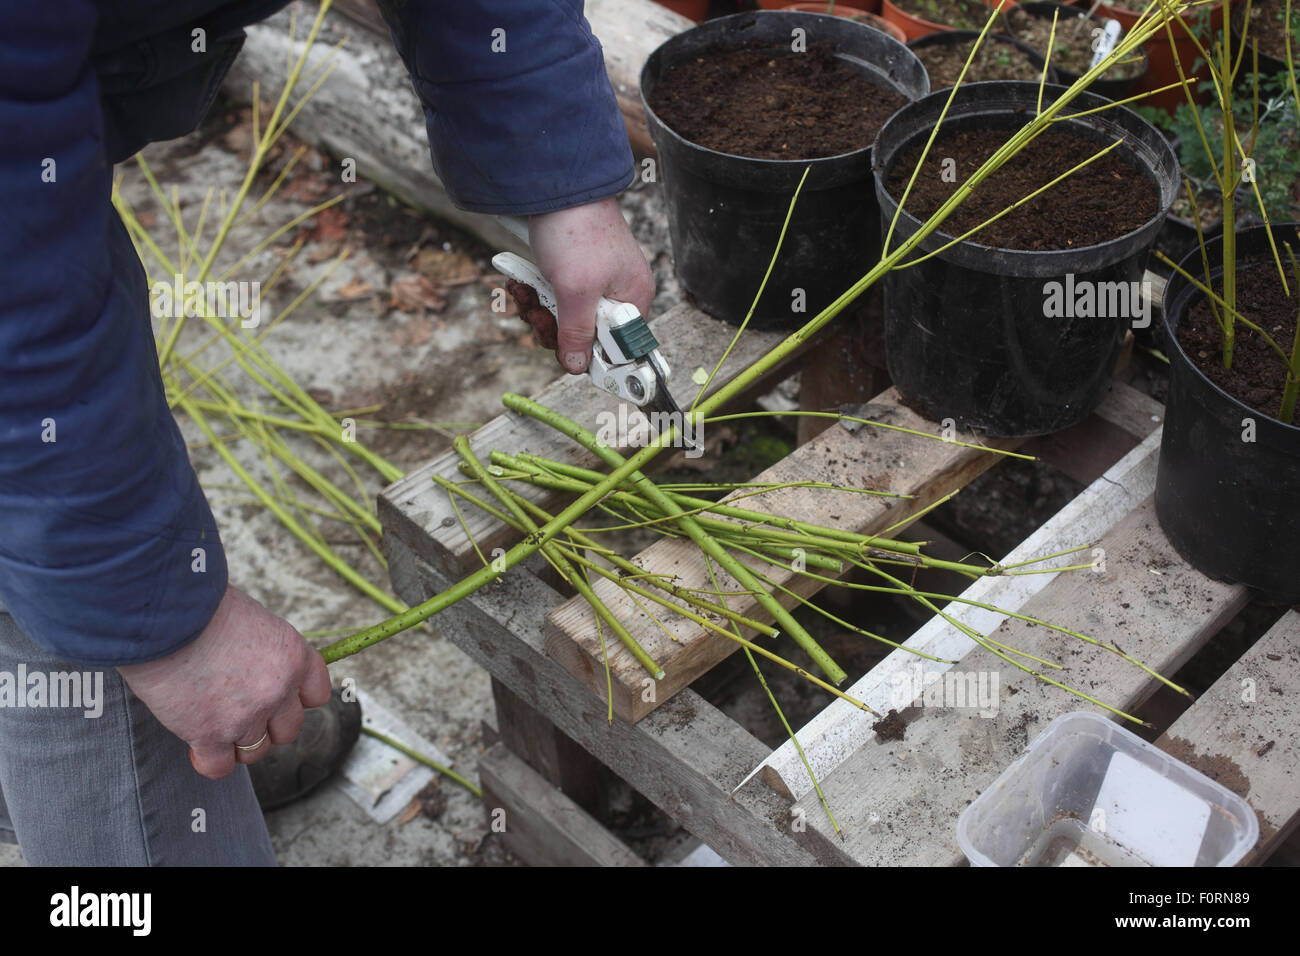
{"x":587,"y":252}
{"x":242,"y":682}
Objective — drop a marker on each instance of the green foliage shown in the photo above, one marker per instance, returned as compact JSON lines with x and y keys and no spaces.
{"x":763,"y":451}
{"x":1276,"y":146}
{"x":1154,"y":115}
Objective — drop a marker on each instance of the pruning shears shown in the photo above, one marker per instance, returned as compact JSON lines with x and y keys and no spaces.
{"x":625,"y":356}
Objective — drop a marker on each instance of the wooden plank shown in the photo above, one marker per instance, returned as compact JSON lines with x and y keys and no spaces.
{"x":872,"y":458}
{"x":1242,"y":732}
{"x":687,"y":758}
{"x":898,"y":802}
{"x":548,"y":750}
{"x":538,"y":823}
{"x":1156,"y":283}
{"x":841,"y":729}
{"x":1132,"y":411}
{"x":1084,"y":451}
{"x":419,"y":511}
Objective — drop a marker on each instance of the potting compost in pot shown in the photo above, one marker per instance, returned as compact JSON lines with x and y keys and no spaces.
{"x":739,"y":108}
{"x":1016,"y":330}
{"x":1228,"y":488}
{"x":1072,"y":40}
{"x":999,"y":58}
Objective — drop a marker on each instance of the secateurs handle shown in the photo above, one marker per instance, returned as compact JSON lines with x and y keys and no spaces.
{"x":625,"y":357}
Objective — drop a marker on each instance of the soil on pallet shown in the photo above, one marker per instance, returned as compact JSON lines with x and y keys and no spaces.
{"x":1233,"y":641}
{"x":764,"y":104}
{"x":1258,"y":374}
{"x":1071,"y":45}
{"x":995,"y":61}
{"x":958,"y":14}
{"x":1102,"y":201}
{"x":892,"y":726}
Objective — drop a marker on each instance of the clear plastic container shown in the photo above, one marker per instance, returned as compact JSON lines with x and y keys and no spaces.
{"x":1087,"y":792}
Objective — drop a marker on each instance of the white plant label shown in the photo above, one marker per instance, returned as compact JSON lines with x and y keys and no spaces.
{"x":1109,"y":36}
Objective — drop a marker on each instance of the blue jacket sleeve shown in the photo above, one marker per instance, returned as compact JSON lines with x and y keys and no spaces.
{"x":520,"y":113}
{"x":108,"y":551}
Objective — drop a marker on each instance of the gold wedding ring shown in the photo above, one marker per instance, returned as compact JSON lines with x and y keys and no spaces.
{"x":254,"y":746}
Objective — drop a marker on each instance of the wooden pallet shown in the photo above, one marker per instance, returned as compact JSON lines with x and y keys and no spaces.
{"x":896,"y":803}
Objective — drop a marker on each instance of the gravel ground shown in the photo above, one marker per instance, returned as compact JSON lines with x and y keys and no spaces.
{"x":404,"y":323}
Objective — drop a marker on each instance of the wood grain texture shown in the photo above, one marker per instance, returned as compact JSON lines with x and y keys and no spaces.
{"x":1148,"y":601}
{"x":1242,"y":732}
{"x":419,"y":511}
{"x":548,"y":750}
{"x":841,"y":729}
{"x":1084,"y":451}
{"x":871,"y":458}
{"x":538,"y":823}
{"x":687,"y":758}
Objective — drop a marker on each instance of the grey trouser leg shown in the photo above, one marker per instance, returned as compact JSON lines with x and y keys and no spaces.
{"x":112,"y":790}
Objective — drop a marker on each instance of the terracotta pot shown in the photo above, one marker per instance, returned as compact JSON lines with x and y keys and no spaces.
{"x":850,"y":13}
{"x":696,"y":10}
{"x":1161,"y":70}
{"x":916,"y":27}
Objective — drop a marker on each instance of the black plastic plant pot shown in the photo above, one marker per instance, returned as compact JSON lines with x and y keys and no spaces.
{"x":725,"y":212}
{"x":967,"y":333}
{"x":1177,"y":238}
{"x":1228,"y":485}
{"x":956,"y":37}
{"x":1111,"y":88}
{"x":1268,"y":65}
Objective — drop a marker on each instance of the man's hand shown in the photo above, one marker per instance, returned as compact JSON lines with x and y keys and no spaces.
{"x":245,"y":679}
{"x":587,"y":252}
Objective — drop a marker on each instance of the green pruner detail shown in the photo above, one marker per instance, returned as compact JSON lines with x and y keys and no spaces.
{"x":635,"y":338}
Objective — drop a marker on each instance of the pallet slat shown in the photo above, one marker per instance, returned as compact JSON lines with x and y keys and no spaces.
{"x":686,"y":758}
{"x":841,"y":729}
{"x":1149,"y":601}
{"x":1241,"y":732}
{"x":538,"y":823}
{"x":419,"y":511}
{"x":872,"y":458}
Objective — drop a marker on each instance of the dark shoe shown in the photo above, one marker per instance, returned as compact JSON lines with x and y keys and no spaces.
{"x":293,"y":770}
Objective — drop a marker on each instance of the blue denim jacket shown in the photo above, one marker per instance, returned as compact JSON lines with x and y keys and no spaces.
{"x":108,"y":551}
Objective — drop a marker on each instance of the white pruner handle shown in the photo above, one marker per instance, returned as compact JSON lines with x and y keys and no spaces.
{"x":611,"y":369}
